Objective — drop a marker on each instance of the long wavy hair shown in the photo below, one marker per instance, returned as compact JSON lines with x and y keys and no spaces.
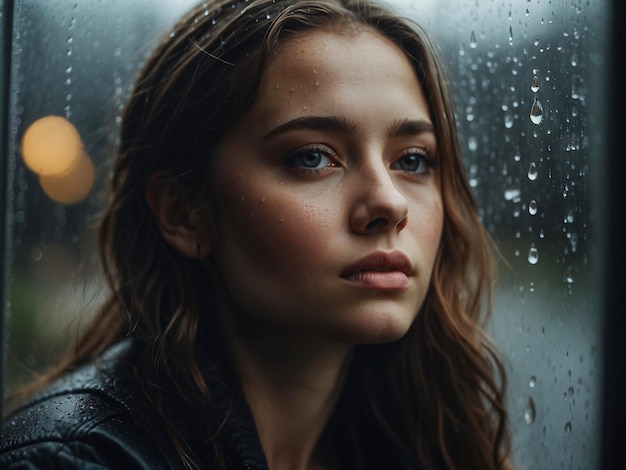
{"x":438,"y":392}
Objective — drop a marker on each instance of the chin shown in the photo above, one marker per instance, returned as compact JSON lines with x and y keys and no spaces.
{"x":379,"y":330}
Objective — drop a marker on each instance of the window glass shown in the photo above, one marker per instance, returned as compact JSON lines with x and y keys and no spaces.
{"x":523,"y":75}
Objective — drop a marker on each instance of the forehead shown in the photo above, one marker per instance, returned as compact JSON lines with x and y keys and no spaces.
{"x":327,"y":70}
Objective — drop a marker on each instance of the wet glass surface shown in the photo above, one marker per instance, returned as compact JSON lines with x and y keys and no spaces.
{"x":524,"y":75}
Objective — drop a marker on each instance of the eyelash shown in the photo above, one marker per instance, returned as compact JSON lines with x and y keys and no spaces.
{"x":423,"y":156}
{"x":294,"y":158}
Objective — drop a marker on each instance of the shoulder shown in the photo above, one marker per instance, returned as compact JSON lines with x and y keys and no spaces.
{"x":94,"y":417}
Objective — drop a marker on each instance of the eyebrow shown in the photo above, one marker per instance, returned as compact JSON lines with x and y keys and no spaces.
{"x":411,"y":127}
{"x":319,"y":123}
{"x":339,"y":124}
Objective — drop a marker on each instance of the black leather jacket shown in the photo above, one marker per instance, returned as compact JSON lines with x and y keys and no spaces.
{"x":96,"y":418}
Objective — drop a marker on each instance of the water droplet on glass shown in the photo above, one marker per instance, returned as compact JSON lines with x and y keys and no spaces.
{"x":570,"y":217}
{"x":511,"y":194}
{"x":534,"y":84}
{"x":511,"y":35}
{"x":472,"y":144}
{"x":532,"y":171}
{"x":568,"y":427}
{"x":533,"y":254}
{"x":536,"y":112}
{"x":536,"y":42}
{"x":473,"y":42}
{"x":569,"y":276}
{"x":532,"y":382}
{"x":529,"y":412}
{"x":532,"y":207}
{"x":508,"y":120}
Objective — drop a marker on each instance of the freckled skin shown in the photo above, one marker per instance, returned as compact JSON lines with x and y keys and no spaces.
{"x":284,"y":235}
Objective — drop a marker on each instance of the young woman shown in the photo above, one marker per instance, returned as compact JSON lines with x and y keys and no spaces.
{"x":298,"y":275}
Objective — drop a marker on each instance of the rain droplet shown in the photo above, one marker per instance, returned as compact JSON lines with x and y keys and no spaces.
{"x":530,"y":412}
{"x":532,"y":207}
{"x":508,"y":120}
{"x":473,"y":42}
{"x":534,"y":84}
{"x":569,"y":276}
{"x":511,"y":35}
{"x":532,"y":171}
{"x":532,"y":382}
{"x":536,"y":42}
{"x":511,"y":194}
{"x":536,"y":112}
{"x":570,"y":217}
{"x":568,"y":427}
{"x":533,"y":254}
{"x":472,"y":143}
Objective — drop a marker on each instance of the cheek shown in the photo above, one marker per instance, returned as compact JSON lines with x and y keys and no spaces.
{"x":277,"y":229}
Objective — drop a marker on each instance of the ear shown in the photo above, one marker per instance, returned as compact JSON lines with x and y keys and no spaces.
{"x":180,"y":224}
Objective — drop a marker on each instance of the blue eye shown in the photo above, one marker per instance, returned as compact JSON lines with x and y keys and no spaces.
{"x":416,"y":161}
{"x":311,"y":158}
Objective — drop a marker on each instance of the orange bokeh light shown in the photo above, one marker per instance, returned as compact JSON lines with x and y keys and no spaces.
{"x":71,"y":186}
{"x":51,"y":145}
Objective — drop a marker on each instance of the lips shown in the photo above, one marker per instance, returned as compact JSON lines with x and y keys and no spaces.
{"x":380,"y":270}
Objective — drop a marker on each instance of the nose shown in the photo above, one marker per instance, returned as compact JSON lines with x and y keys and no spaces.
{"x":379,"y":205}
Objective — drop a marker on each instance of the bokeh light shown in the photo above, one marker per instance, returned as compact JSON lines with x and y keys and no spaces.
{"x":71,"y":186}
{"x":51,"y":146}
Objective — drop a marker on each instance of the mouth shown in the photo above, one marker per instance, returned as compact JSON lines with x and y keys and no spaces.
{"x":380,"y":271}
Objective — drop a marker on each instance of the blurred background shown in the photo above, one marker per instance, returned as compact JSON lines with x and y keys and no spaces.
{"x":528,"y":79}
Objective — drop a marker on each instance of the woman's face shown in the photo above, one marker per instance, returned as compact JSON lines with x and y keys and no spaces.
{"x":330,"y":208}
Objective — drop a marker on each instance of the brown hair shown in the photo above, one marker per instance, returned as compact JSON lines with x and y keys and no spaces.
{"x":440,"y":397}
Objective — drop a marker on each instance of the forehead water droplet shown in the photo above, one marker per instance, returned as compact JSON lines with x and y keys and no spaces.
{"x":473,"y":42}
{"x":536,"y":112}
{"x":532,"y":171}
{"x":533,"y":254}
{"x":529,"y":412}
{"x":534,"y":84}
{"x":532,"y":207}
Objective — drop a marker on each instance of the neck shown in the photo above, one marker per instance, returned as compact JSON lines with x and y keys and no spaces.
{"x":291,"y":382}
